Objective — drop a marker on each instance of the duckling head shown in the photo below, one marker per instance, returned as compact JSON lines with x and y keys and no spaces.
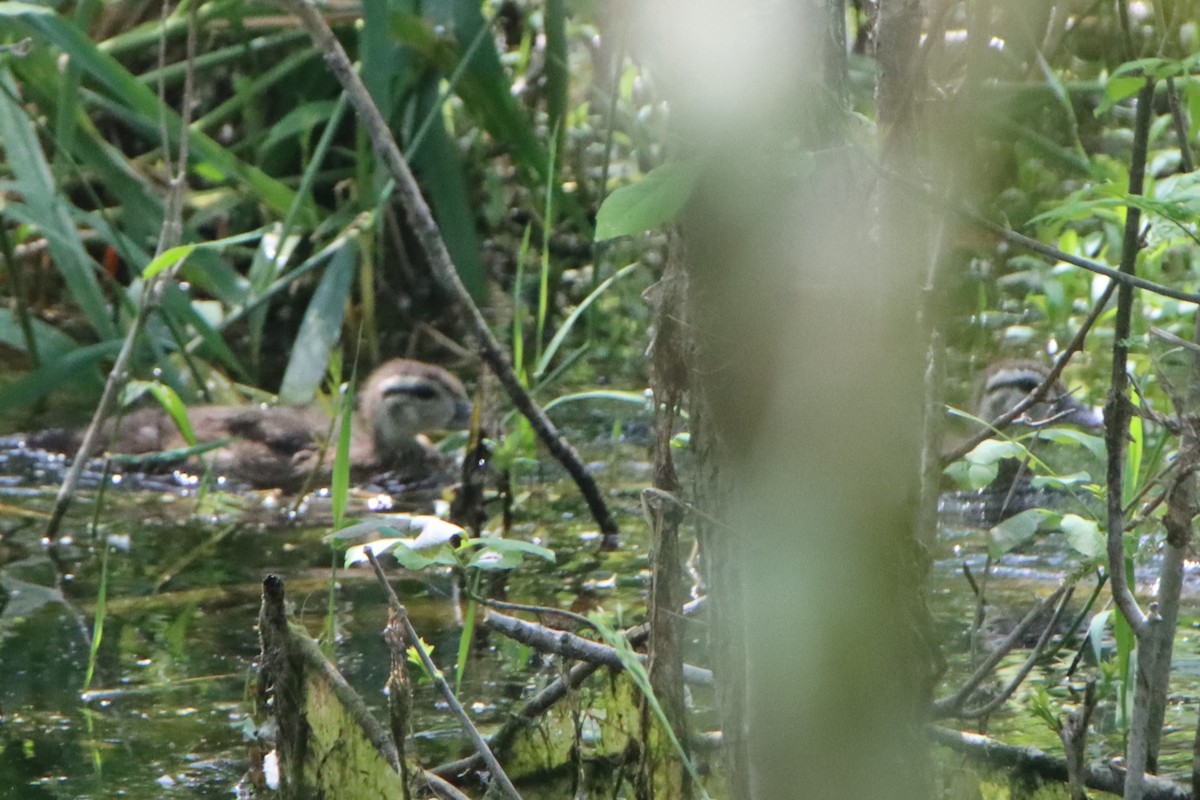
{"x":1008,"y":382}
{"x":403,"y":399}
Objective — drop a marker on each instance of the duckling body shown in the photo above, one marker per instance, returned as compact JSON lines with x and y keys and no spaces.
{"x":283,"y":446}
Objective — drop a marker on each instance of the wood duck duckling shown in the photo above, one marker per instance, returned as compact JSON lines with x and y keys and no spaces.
{"x":282,"y":446}
{"x":1007,"y":383}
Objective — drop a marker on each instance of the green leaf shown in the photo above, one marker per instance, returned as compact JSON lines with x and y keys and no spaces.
{"x":47,"y":209}
{"x":514,"y":546}
{"x":567,"y":324}
{"x":971,"y":476}
{"x":339,"y":488}
{"x":1095,"y":634}
{"x":1084,"y":536}
{"x":174,"y":406}
{"x":320,"y":329}
{"x":1018,"y":529}
{"x":991,"y":451}
{"x":1118,"y":89}
{"x":299,"y":120}
{"x":1192,"y":94}
{"x":148,"y":113}
{"x":54,"y":374}
{"x":168,"y":258}
{"x":1094,"y":444}
{"x":639,"y":399}
{"x":399,"y":548}
{"x":649,"y":203}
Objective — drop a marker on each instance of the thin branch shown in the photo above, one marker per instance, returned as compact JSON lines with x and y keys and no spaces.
{"x":414,"y":641}
{"x":1042,"y":249}
{"x":568,"y":645}
{"x":950,"y":706}
{"x":1116,"y":411}
{"x":1145,"y":627}
{"x":1034,"y":656}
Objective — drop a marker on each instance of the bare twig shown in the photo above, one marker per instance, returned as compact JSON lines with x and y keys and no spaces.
{"x":414,"y":641}
{"x":1147,"y":628}
{"x":1002,"y":697}
{"x":952,"y":705}
{"x":1073,"y":733}
{"x":568,"y":645}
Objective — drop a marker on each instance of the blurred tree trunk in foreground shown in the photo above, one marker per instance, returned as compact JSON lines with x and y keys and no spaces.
{"x":806,"y":412}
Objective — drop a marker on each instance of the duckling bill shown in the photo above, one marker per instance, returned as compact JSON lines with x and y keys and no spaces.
{"x":282,"y":446}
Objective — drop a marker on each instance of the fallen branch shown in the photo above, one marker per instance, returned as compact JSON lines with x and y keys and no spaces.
{"x":992,"y":753}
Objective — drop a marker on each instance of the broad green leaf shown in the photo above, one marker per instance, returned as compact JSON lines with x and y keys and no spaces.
{"x":77,"y":364}
{"x":490,"y":559}
{"x":400,"y":549}
{"x":51,"y":343}
{"x":320,"y":329}
{"x":514,"y":546}
{"x":1094,"y":444}
{"x":479,"y":77}
{"x":436,"y":160}
{"x":1118,"y":89}
{"x":654,"y":200}
{"x":971,"y":476}
{"x":1018,"y":529}
{"x":990,"y":451}
{"x":1084,"y":535}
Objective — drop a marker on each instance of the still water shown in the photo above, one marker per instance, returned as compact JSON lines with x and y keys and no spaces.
{"x":167,"y":710}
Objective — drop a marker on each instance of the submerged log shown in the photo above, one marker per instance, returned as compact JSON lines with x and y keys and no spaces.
{"x":328,"y":743}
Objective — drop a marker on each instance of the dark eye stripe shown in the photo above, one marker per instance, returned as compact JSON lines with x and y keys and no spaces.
{"x":421,"y":391}
{"x":1022,"y":382}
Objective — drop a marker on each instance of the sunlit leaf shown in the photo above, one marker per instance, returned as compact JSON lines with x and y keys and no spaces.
{"x":1118,"y":89}
{"x":514,"y":546}
{"x":1094,"y":444}
{"x":647,"y":204}
{"x":1084,"y":536}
